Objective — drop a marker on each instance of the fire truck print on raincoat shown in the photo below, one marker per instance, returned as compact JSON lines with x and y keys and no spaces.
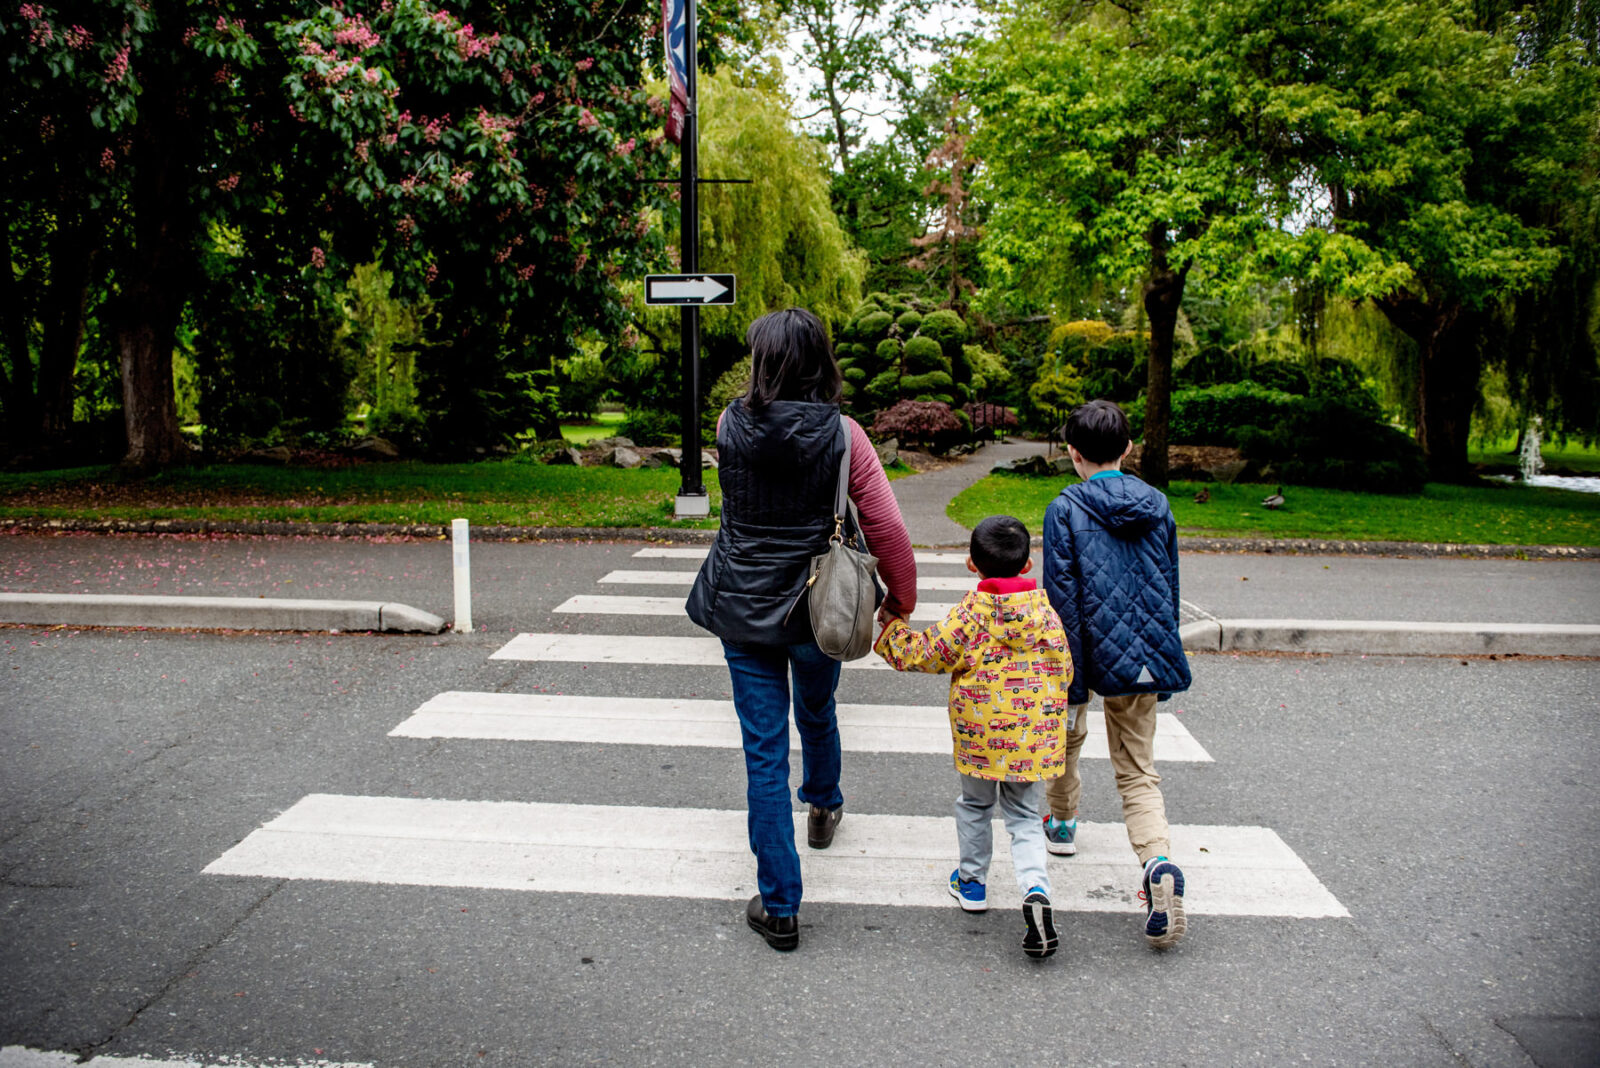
{"x":1010,"y":669}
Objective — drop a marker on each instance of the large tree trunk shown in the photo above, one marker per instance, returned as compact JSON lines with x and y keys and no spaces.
{"x":158,"y":276}
{"x":1163,"y":294}
{"x":1448,"y":366}
{"x":1447,"y":389}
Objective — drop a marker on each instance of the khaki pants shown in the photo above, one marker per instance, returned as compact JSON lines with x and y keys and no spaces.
{"x":1130,"y":734}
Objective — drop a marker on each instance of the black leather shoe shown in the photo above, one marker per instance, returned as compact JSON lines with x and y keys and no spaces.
{"x":781,"y":932}
{"x":820,"y":826}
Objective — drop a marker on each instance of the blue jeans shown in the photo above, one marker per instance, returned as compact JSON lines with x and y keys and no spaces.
{"x":761,"y":676}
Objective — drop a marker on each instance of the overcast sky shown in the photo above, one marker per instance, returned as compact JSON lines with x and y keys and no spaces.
{"x":942,"y":18}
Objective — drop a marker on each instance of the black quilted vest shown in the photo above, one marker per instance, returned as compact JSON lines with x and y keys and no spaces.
{"x":779,"y":470}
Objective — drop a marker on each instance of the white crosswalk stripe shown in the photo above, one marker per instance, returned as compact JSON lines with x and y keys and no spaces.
{"x":631,"y":649}
{"x":666,"y":721}
{"x":686,"y":578}
{"x":703,"y":853}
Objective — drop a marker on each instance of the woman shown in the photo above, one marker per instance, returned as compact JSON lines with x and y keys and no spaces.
{"x":779,"y":450}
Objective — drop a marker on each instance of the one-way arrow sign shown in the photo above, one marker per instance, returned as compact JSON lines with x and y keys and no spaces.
{"x":688,"y":289}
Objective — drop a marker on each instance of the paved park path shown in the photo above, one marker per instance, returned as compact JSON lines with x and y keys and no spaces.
{"x":923,"y":497}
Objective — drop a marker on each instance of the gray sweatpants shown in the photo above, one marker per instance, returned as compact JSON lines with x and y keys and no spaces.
{"x":1019,"y":807}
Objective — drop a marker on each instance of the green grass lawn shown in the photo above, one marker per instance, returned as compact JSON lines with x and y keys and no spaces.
{"x":1489,"y":514}
{"x":508,"y":493}
{"x":604,"y":425}
{"x":1585,"y":460}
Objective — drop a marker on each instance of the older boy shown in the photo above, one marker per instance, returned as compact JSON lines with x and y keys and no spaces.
{"x":1111,"y":572}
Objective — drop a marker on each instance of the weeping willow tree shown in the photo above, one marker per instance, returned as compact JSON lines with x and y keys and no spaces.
{"x":778,"y":234}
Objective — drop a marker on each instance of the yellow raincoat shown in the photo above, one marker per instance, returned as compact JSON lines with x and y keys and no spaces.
{"x":1010,"y":669}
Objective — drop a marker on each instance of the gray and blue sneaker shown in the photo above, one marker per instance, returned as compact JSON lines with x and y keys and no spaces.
{"x":969,"y":892}
{"x":1040,"y":941}
{"x":1060,"y":836}
{"x":1165,"y":923}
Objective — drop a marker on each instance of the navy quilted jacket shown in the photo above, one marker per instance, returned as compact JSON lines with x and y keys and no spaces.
{"x":1111,"y":571}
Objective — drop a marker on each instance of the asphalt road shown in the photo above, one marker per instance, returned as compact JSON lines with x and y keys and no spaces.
{"x":1450,"y":807}
{"x":514,"y":583}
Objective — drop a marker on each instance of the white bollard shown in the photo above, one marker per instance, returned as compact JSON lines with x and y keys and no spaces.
{"x":463,"y":569}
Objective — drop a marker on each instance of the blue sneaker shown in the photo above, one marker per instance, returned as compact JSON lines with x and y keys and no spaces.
{"x":970,"y":892}
{"x":1040,"y":941}
{"x":1060,"y":836}
{"x":1164,"y":922}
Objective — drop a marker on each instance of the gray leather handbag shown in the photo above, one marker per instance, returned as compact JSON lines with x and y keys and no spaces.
{"x":842,"y":590}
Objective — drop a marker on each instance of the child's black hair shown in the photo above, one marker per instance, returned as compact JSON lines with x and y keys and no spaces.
{"x":999,"y":546}
{"x":791,"y":359}
{"x":1098,"y":430}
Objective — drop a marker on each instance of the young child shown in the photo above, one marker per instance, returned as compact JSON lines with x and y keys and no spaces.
{"x":1007,"y":656}
{"x":1111,"y":572}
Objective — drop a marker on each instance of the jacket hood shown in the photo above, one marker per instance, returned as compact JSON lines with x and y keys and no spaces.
{"x":1125,"y":505}
{"x":1015,"y":619}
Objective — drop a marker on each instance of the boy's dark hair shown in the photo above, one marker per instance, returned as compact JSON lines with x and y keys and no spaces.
{"x":999,"y":546}
{"x":1099,"y":430}
{"x":790,"y":359}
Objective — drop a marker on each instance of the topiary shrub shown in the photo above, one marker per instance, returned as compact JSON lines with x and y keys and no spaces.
{"x":868,"y":328}
{"x":916,"y":421}
{"x":945,"y":327}
{"x":932,"y":382}
{"x":909,"y":321}
{"x":922,"y":354}
{"x":884,"y":388}
{"x":888,"y":351}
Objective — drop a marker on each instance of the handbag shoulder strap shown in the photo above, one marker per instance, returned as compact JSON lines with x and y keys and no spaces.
{"x":843,"y":492}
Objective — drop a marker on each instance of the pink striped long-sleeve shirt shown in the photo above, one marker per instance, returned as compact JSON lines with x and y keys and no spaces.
{"x":881,"y":522}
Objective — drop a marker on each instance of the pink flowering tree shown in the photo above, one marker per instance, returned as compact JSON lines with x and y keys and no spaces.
{"x":503,"y":172}
{"x":218,"y":167}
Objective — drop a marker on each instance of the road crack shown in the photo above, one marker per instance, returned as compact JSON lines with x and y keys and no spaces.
{"x":87,"y":1050}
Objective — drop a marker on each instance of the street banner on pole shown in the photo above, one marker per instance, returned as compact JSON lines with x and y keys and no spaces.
{"x":674,"y":32}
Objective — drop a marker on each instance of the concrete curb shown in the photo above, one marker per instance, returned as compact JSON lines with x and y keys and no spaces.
{"x":1391,"y":637}
{"x":231,"y":613}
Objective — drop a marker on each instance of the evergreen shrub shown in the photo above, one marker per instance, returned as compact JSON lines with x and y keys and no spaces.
{"x":1327,"y":441}
{"x":923,"y":354}
{"x":1213,"y":415}
{"x":649,"y":426}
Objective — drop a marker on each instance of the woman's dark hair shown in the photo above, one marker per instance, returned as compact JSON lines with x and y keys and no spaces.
{"x":1099,"y":430}
{"x":790,"y":359}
